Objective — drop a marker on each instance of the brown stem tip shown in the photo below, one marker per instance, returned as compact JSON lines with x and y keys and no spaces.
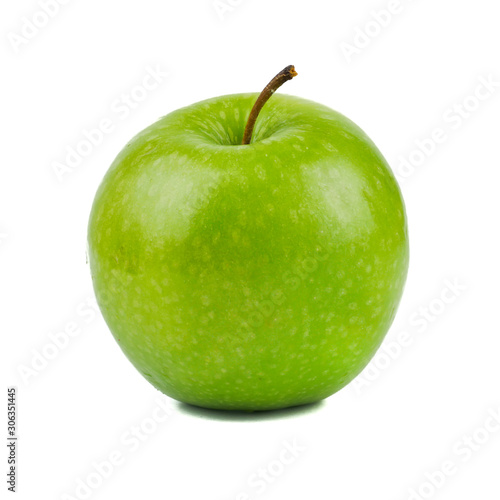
{"x":283,"y":76}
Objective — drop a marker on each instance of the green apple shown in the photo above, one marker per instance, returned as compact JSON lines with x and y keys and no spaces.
{"x":249,"y":276}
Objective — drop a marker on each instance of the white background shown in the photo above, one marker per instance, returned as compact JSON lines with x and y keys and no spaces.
{"x":415,"y":405}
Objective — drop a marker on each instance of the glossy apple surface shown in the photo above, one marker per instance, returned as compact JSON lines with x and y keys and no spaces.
{"x":249,"y":277}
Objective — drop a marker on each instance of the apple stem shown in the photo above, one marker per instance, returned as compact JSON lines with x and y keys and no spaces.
{"x":283,"y":76}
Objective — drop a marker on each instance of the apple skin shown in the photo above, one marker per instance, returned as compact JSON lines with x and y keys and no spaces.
{"x":249,"y":277}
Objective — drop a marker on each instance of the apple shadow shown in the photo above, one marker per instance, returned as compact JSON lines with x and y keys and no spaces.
{"x":248,"y":416}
